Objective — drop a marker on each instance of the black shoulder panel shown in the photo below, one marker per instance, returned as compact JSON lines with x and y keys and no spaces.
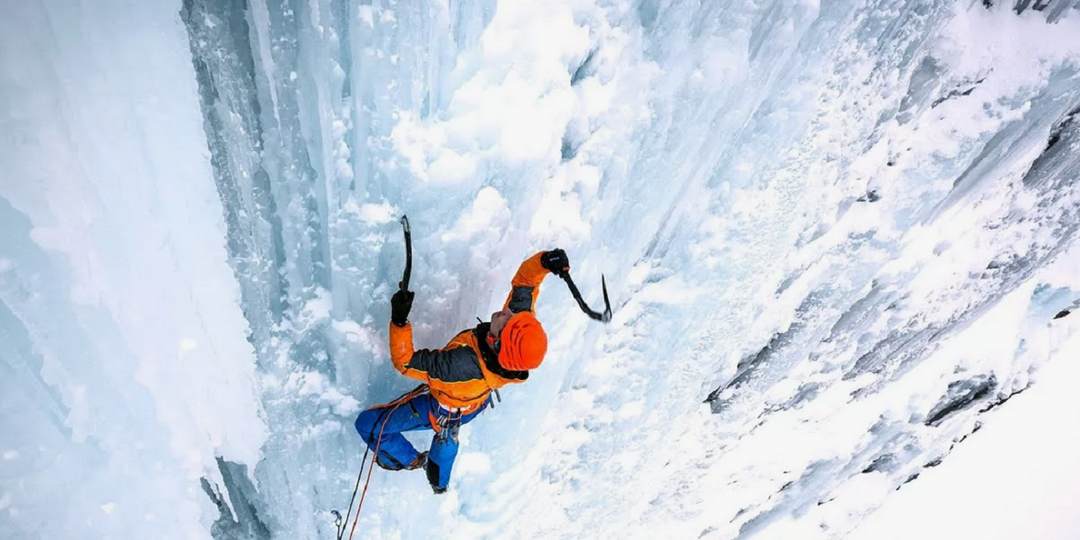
{"x":448,"y":365}
{"x":521,"y":299}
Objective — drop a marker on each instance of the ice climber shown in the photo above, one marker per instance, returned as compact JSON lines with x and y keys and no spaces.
{"x":459,"y":378}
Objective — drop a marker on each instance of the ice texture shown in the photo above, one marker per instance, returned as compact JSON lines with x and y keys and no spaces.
{"x":838,"y":238}
{"x":123,"y":347}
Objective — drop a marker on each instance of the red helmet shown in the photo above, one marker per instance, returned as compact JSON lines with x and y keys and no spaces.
{"x":524,"y":343}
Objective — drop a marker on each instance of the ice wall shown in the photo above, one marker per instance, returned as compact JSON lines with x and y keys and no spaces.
{"x":821,"y":247}
{"x":123,"y":352}
{"x":800,"y":205}
{"x":835,"y":234}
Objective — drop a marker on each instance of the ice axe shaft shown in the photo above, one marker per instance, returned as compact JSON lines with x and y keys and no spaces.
{"x":404,"y":283}
{"x":602,"y":317}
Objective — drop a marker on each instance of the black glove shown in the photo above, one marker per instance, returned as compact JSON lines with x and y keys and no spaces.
{"x":556,"y":262}
{"x":400,"y":306}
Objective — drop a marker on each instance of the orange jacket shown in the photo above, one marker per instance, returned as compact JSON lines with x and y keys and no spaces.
{"x":463,"y":374}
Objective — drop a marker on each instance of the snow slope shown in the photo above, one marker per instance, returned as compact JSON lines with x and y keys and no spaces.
{"x":1031,"y":447}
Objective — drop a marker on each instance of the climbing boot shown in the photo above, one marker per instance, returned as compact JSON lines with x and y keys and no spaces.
{"x":420,"y":461}
{"x":432,"y":470}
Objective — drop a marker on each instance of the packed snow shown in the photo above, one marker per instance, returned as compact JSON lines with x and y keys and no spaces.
{"x":1029,"y":446}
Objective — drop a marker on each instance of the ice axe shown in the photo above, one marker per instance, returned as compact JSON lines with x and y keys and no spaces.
{"x":404,"y":283}
{"x":604,"y":317}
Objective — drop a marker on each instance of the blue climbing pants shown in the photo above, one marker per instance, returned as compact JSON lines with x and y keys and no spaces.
{"x":418,"y":413}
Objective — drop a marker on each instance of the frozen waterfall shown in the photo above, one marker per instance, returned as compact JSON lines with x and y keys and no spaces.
{"x":838,"y":236}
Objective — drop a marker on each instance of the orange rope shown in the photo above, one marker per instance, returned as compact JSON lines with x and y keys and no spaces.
{"x":359,"y":476}
{"x":371,"y":467}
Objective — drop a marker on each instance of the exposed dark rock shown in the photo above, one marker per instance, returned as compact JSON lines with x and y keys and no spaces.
{"x":957,"y":93}
{"x":871,"y":195}
{"x":749,"y":365}
{"x":1055,"y":132}
{"x":994,"y":404}
{"x":960,"y":395}
{"x":883,"y":463}
{"x":247,"y":525}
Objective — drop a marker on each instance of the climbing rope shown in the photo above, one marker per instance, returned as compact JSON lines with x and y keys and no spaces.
{"x":337,"y":522}
{"x":393,"y":405}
